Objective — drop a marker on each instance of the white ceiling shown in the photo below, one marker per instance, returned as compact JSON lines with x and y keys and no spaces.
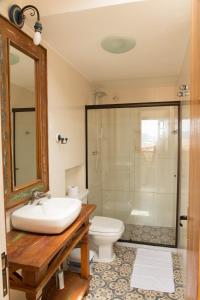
{"x":160,"y":27}
{"x":64,"y":6}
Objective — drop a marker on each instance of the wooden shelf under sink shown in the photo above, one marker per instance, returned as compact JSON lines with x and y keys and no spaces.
{"x":75,"y":288}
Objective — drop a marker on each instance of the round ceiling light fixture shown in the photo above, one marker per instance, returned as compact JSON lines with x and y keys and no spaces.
{"x":118,"y":44}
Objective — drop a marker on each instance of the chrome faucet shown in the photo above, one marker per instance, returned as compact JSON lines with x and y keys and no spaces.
{"x":36,"y":195}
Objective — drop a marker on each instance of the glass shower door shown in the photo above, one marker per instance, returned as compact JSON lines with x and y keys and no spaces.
{"x":132,"y":170}
{"x":153,"y":179}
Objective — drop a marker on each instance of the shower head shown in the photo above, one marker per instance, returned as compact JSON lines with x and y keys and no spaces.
{"x":100,"y":94}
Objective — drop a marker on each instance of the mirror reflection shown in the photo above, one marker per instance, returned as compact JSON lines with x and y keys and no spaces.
{"x":23,"y":117}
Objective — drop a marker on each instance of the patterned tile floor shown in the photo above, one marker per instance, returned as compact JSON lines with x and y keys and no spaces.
{"x":150,"y":234}
{"x":112,"y":281}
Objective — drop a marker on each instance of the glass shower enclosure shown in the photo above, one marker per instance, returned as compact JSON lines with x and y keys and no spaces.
{"x":132,"y":154}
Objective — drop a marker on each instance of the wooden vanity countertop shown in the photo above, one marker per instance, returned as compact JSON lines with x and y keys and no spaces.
{"x":34,"y":251}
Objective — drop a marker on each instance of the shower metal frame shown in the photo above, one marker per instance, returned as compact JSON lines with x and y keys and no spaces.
{"x":138,"y":105}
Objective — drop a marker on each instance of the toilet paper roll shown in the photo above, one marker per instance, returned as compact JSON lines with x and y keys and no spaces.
{"x":73,"y":191}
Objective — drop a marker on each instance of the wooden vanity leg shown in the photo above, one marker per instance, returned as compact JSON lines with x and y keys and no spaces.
{"x":85,"y":257}
{"x":33,"y":279}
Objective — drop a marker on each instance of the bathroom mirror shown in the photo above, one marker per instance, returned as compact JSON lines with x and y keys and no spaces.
{"x":23,"y":96}
{"x":23,"y":117}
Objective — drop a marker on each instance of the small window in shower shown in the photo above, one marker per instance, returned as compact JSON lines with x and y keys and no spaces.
{"x":149,"y":135}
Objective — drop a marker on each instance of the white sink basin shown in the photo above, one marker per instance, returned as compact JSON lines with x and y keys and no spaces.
{"x":50,"y":216}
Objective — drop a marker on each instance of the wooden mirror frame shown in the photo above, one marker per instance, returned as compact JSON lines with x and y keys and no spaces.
{"x":11,"y":35}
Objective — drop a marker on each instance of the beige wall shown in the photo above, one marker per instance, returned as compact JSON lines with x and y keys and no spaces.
{"x":138,"y":90}
{"x":68,"y":93}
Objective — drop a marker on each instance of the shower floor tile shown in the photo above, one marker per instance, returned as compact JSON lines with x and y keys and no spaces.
{"x":111,"y":281}
{"x":150,"y":234}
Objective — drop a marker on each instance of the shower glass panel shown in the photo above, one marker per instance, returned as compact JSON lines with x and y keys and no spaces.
{"x":132,"y":169}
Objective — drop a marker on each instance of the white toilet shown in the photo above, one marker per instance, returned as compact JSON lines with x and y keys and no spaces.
{"x":104,"y":232}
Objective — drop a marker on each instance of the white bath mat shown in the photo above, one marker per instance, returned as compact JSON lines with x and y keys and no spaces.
{"x":153,"y":270}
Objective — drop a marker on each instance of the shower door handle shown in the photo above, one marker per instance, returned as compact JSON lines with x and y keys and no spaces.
{"x":183,"y":218}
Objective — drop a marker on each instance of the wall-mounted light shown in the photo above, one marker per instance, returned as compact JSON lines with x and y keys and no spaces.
{"x":17,"y":16}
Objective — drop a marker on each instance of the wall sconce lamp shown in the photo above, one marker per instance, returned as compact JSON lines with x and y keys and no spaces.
{"x":17,"y":16}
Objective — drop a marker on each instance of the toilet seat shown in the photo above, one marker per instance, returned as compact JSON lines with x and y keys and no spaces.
{"x":105,"y":225}
{"x":103,"y":233}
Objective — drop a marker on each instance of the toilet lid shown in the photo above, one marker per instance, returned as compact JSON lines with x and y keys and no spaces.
{"x":106,"y":225}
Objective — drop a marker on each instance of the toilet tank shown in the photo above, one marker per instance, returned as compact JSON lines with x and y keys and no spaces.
{"x":83,"y":196}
